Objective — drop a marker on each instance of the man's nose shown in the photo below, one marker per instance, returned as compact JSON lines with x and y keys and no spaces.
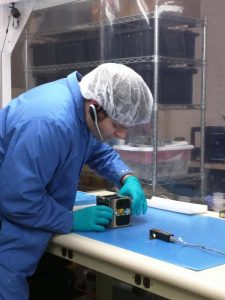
{"x":121,"y":133}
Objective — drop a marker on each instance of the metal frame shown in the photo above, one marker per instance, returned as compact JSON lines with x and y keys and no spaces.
{"x":203,"y":111}
{"x":202,"y":106}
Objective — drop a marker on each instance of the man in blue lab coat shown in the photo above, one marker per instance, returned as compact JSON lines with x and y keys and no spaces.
{"x":47,"y":134}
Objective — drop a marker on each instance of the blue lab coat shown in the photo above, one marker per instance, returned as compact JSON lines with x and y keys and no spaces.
{"x":44,"y":143}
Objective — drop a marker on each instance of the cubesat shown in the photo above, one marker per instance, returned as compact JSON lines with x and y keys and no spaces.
{"x":121,"y":206}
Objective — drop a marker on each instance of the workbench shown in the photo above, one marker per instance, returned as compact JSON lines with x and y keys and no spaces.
{"x":148,"y":273}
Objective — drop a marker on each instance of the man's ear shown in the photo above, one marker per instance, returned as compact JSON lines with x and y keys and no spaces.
{"x":96,"y":111}
{"x":94,"y":102}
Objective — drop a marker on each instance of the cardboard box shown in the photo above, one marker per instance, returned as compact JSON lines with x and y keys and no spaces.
{"x":173,"y":160}
{"x":123,"y":8}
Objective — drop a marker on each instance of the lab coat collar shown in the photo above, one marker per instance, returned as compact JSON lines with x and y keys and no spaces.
{"x":73,"y":82}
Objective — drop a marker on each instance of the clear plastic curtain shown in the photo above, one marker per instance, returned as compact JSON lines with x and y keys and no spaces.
{"x":126,"y":37}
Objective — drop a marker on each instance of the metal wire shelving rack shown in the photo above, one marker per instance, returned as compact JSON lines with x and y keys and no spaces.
{"x":156,"y":20}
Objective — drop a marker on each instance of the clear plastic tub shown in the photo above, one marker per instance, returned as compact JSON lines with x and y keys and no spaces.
{"x":173,"y":160}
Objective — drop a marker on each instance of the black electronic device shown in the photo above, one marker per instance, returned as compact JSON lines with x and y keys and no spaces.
{"x":121,"y":206}
{"x":160,"y":235}
{"x":15,"y":11}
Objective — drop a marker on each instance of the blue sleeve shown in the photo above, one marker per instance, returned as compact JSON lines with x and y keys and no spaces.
{"x":31,"y":162}
{"x":107,"y":162}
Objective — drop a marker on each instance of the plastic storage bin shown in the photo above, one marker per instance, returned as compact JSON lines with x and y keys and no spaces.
{"x":173,"y":160}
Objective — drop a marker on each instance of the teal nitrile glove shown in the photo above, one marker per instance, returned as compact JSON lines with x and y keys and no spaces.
{"x":92,"y":218}
{"x":132,"y":188}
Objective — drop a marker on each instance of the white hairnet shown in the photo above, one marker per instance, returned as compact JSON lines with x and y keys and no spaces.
{"x":121,"y":92}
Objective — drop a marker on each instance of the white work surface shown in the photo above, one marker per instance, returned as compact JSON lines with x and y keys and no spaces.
{"x":167,"y":280}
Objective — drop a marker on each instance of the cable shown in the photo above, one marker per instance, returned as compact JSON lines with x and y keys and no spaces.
{"x":182,"y":242}
{"x":159,"y":234}
{"x":15,"y":13}
{"x":98,"y":129}
{"x":6,"y":32}
{"x":94,"y":115}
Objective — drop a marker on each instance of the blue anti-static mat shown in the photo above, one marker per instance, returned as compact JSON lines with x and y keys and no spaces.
{"x":195,"y":229}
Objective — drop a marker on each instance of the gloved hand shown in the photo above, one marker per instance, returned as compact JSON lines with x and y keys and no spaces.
{"x":132,"y":188}
{"x":92,"y":218}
